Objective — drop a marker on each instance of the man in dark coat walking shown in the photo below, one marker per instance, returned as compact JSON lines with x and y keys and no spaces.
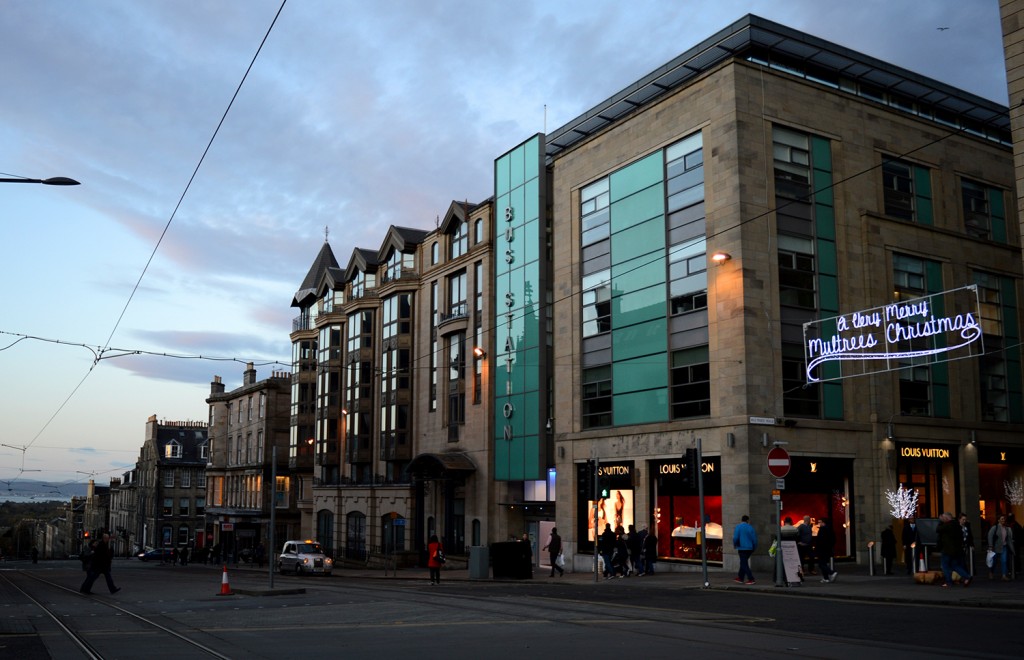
{"x":100,"y":565}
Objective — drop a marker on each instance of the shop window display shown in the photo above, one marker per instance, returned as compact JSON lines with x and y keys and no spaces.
{"x":677,"y":511}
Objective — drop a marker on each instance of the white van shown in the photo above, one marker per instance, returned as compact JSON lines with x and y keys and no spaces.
{"x":304,"y":557}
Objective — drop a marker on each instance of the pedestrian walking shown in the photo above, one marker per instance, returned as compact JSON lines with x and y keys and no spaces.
{"x":805,"y":546}
{"x":620,"y":555}
{"x":1000,"y":541}
{"x":554,"y":548}
{"x":744,"y":540}
{"x":435,"y":559}
{"x":606,"y":546}
{"x":100,"y":564}
{"x":824,"y":549}
{"x":968,"y":538}
{"x":650,"y":552}
{"x":635,"y":544}
{"x":183,"y":556}
{"x":951,"y":549}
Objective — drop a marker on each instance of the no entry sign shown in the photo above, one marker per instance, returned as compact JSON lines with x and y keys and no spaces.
{"x":778,"y":462}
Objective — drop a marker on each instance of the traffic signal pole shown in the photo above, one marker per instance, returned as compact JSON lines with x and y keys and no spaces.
{"x":594,"y":494}
{"x":703,"y":529}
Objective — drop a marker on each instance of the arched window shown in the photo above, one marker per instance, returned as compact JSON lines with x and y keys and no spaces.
{"x":435,"y":254}
{"x":325,"y":530}
{"x":355,"y":536}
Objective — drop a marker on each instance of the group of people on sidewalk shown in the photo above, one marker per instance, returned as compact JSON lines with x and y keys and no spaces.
{"x":810,"y":546}
{"x":627,"y":553}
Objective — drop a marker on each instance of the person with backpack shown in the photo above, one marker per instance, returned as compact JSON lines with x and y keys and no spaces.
{"x":435,"y":559}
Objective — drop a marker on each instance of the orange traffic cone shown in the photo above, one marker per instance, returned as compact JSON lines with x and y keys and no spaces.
{"x":225,"y":588}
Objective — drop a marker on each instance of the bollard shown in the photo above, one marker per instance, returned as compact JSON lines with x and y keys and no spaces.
{"x":871,"y":558}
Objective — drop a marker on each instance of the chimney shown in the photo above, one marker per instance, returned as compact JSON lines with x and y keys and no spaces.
{"x":249,"y":377}
{"x":217,"y":386}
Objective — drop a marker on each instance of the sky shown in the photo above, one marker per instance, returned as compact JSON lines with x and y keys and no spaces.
{"x":354,"y":116}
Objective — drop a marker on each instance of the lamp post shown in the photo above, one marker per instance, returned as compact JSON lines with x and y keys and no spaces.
{"x":52,"y":181}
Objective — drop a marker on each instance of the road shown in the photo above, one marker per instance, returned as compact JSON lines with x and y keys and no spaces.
{"x":360,"y":615}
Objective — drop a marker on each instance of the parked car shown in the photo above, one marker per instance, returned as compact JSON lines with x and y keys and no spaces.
{"x":157,"y":554}
{"x":304,"y":557}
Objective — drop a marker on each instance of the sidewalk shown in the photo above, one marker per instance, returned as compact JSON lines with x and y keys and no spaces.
{"x":852,"y":583}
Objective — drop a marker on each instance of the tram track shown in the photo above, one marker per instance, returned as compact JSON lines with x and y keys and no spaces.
{"x":63,"y":608}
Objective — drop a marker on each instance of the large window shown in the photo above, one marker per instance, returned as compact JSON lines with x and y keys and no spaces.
{"x":898,"y":189}
{"x":977,"y":216}
{"x":597,"y":303}
{"x":457,"y":294}
{"x":594,"y":211}
{"x":992,"y":365}
{"x":363,"y":282}
{"x":396,"y":264}
{"x":910,"y":281}
{"x":355,"y":535}
{"x":456,"y":384}
{"x":459,"y":239}
{"x":796,"y":272}
{"x":691,"y":383}
{"x":597,"y":397}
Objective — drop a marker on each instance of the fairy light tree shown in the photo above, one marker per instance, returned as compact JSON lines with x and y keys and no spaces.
{"x":902,"y":502}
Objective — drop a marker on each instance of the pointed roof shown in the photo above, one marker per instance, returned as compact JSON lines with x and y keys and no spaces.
{"x":361,"y":260}
{"x":402,"y":239}
{"x":457,"y":212}
{"x":324,"y":260}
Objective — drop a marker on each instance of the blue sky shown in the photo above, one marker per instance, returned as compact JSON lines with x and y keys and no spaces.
{"x":355,"y":116}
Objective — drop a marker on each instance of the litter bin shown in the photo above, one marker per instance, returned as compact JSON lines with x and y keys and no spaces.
{"x":511,"y":560}
{"x":479,"y":562}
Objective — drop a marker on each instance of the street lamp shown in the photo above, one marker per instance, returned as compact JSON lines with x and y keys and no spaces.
{"x":52,"y":181}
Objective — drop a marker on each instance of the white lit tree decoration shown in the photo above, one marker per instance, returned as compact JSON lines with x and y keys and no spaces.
{"x":902,"y":502}
{"x":1014,"y":491}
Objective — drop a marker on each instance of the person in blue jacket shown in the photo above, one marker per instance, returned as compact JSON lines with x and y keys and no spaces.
{"x":744,"y":539}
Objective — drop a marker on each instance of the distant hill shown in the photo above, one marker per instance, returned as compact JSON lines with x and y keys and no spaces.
{"x":26,"y":490}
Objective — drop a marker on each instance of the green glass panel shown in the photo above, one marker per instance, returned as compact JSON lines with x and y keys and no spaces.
{"x":638,"y":306}
{"x":635,"y":209}
{"x":1008,"y":296}
{"x":828,"y":296}
{"x":644,"y":271}
{"x":531,"y":153}
{"x":641,"y":407}
{"x":531,"y":241}
{"x":823,"y":192}
{"x":642,"y":373}
{"x":648,"y":339}
{"x":940,"y":399}
{"x":501,"y":177}
{"x":532,"y":204}
{"x":636,"y":177}
{"x":641,"y":239}
{"x":923,"y":194}
{"x":821,"y":153}
{"x":933,"y":278}
{"x":832,"y":395}
{"x":517,"y":169}
{"x":828,"y":263}
{"x":501,"y":457}
{"x":531,"y":374}
{"x":825,"y":222}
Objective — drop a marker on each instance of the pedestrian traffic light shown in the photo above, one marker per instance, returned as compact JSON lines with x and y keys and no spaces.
{"x":85,"y":535}
{"x":588,"y":486}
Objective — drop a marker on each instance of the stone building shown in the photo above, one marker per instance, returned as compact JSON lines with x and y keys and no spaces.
{"x":248,"y":479}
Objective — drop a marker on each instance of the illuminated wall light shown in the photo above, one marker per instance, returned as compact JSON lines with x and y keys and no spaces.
{"x":720,"y":257}
{"x":479,"y":352}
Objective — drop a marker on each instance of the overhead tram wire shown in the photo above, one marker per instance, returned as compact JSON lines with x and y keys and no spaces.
{"x":166,"y":226}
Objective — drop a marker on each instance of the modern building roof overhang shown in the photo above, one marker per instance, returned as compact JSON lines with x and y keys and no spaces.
{"x":441,"y":465}
{"x":755,"y":37}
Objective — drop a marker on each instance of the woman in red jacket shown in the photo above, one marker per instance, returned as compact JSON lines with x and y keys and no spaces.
{"x":435,"y":559}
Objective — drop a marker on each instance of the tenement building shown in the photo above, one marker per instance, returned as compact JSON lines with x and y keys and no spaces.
{"x":249,"y":484}
{"x":390,"y":394}
{"x":771,"y":240}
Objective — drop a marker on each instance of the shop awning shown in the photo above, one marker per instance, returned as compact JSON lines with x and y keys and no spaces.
{"x":441,"y":465}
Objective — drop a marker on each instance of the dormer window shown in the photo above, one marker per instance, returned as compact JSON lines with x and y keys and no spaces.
{"x":397,"y":263}
{"x":459,"y":239}
{"x":204,"y":451}
{"x":172,"y":449}
{"x":363,"y":282}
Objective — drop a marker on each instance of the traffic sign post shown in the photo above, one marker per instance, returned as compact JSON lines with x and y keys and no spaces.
{"x":778,"y":464}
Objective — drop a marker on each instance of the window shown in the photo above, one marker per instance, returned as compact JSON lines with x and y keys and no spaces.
{"x":993,"y":366}
{"x":263,"y":405}
{"x":910,"y":281}
{"x":183,"y":534}
{"x":597,"y":397}
{"x":259,"y":445}
{"x":204,"y":451}
{"x":201,"y":479}
{"x":200,"y":506}
{"x":796,"y":272}
{"x":168,"y":507}
{"x":898,"y":189}
{"x":435,"y":254}
{"x":183,"y":507}
{"x":281,"y":489}
{"x":396,"y":264}
{"x":478,"y":231}
{"x":594,"y":212}
{"x":456,"y":384}
{"x":459,"y":239}
{"x":186,"y":478}
{"x":688,"y":276}
{"x":977,"y":219}
{"x":396,"y":314}
{"x":172,"y":449}
{"x":168,"y":478}
{"x":597,"y":303}
{"x":691,"y":383}
{"x":355,"y":536}
{"x":363,"y":282}
{"x":457,"y":295}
